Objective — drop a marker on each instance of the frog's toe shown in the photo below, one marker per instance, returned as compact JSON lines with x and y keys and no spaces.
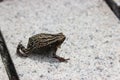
{"x":64,"y":60}
{"x":61,"y":59}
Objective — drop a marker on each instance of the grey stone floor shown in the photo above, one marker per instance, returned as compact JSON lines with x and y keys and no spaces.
{"x":92,"y":44}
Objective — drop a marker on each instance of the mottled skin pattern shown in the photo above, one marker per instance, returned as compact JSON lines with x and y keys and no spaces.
{"x":41,"y":43}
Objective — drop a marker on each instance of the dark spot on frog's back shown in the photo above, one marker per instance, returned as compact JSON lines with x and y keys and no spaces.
{"x":43,"y":42}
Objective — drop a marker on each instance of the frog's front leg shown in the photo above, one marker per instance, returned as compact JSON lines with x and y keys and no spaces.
{"x":21,"y":51}
{"x":61,"y":59}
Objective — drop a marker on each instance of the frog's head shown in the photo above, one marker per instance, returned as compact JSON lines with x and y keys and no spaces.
{"x":60,"y":38}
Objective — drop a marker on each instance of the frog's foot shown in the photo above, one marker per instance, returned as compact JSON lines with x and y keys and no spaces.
{"x":21,"y":50}
{"x":61,"y":59}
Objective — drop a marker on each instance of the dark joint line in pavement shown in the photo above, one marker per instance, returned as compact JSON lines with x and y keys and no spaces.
{"x":114,"y":7}
{"x":6,"y":59}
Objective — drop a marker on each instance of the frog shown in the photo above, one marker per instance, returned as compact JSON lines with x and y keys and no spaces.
{"x":43,"y":42}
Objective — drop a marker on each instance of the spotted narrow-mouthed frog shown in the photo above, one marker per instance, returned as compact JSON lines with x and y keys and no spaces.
{"x":43,"y":42}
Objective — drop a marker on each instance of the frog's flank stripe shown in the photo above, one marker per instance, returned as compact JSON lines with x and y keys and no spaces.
{"x":7,"y":61}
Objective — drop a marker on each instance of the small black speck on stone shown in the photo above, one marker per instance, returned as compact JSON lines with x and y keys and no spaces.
{"x":106,"y":42}
{"x":111,"y":62}
{"x":97,"y":57}
{"x":91,"y":37}
{"x":21,"y":75}
{"x":110,"y":57}
{"x":92,"y":46}
{"x":119,"y":60}
{"x":48,"y":71}
{"x":108,"y":75}
{"x":96,"y":30}
{"x":110,"y":35}
{"x":34,"y":71}
{"x":89,"y":55}
{"x":41,"y":75}
{"x":99,"y":69}
{"x":82,"y":79}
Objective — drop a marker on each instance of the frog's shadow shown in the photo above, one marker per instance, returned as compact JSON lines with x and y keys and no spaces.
{"x":43,"y":57}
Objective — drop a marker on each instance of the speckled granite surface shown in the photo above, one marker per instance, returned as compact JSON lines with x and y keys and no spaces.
{"x":92,"y":44}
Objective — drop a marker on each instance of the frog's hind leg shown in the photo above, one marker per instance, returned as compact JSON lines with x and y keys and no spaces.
{"x":21,"y":51}
{"x":61,"y":59}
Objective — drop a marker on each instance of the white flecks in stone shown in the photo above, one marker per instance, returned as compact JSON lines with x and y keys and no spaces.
{"x":92,"y":38}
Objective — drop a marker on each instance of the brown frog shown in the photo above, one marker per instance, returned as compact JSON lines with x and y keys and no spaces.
{"x":41,"y":43}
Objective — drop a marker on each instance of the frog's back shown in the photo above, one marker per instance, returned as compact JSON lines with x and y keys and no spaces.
{"x":41,"y":40}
